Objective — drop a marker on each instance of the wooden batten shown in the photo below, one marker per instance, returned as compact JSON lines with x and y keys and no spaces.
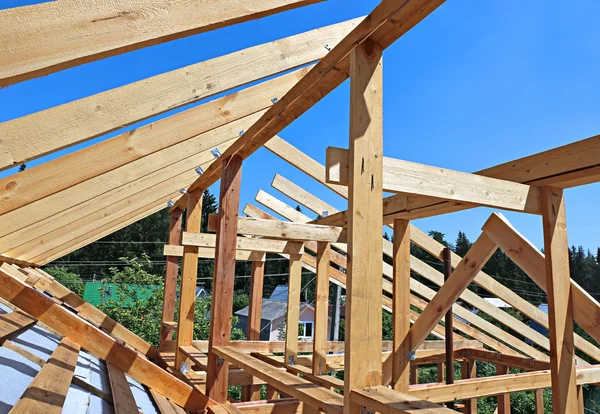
{"x":245,"y":243}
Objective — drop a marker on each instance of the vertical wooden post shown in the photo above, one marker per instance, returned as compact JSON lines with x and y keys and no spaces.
{"x":580,"y":400}
{"x":469,"y":370}
{"x":449,"y":327}
{"x":440,"y":372}
{"x":221,"y":311}
{"x":539,"y":401}
{"x":365,"y":222}
{"x":320,"y":327}
{"x":414,"y":374}
{"x":293,"y":309}
{"x":252,"y":392}
{"x":189,"y":274}
{"x":503,"y":399}
{"x":172,"y":269}
{"x":335,"y":320}
{"x":272,"y":393}
{"x":401,"y":305}
{"x":560,"y":306}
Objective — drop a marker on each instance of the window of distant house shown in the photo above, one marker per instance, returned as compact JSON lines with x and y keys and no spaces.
{"x":305,"y":329}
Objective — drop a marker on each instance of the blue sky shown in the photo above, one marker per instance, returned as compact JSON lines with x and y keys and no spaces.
{"x":477,"y":83}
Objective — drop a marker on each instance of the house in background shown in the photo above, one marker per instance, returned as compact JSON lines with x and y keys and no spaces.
{"x":273,"y":317}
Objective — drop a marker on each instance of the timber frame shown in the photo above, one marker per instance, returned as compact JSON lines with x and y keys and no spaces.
{"x":45,"y":215}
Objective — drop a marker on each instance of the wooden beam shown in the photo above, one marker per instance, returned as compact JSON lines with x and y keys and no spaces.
{"x":252,"y":393}
{"x":586,"y":309}
{"x":499,"y":290}
{"x":13,"y":323}
{"x":48,"y":390}
{"x":46,"y":38}
{"x":143,"y":180}
{"x":503,"y":399}
{"x":292,"y":385}
{"x":48,"y":132}
{"x":469,"y":370}
{"x":450,"y":291}
{"x":407,"y":177}
{"x":189,"y":275}
{"x":385,"y":24}
{"x":363,"y":287}
{"x":98,"y":343}
{"x":124,"y":402}
{"x":526,"y":364}
{"x":489,"y":386}
{"x":209,"y":253}
{"x":171,"y":273}
{"x":286,"y":230}
{"x":107,"y":155}
{"x":321,"y":323}
{"x":223,"y":279}
{"x":401,"y":311}
{"x":539,"y":401}
{"x":386,"y":401}
{"x":293,"y":309}
{"x":245,"y":243}
{"x":560,"y":301}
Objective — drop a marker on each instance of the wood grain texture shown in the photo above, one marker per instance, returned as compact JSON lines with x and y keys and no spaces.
{"x":49,"y":37}
{"x":321,"y":323}
{"x":245,"y":243}
{"x":123,"y":400}
{"x":171,"y":273}
{"x":293,"y":309}
{"x":401,"y":311}
{"x":50,"y":130}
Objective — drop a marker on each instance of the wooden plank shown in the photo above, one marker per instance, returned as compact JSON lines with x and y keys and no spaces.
{"x":124,"y":402}
{"x":305,"y":198}
{"x":560,"y":301}
{"x":489,"y":386}
{"x":469,"y":370}
{"x":46,"y":38}
{"x":386,"y":401}
{"x":287,"y":230}
{"x":539,"y":401}
{"x":293,"y":309}
{"x":427,"y":243}
{"x":48,"y":390}
{"x":164,"y":405}
{"x":173,"y":163}
{"x":97,"y":114}
{"x":503,"y":399}
{"x":14,"y":323}
{"x":472,"y":263}
{"x":245,"y":243}
{"x":385,"y":24}
{"x":407,"y":177}
{"x":270,"y":406}
{"x":321,"y":323}
{"x":363,"y":287}
{"x":189,"y":274}
{"x":171,"y":273}
{"x":209,"y":253}
{"x":526,"y":364}
{"x":292,"y":385}
{"x":224,"y":274}
{"x":252,"y":393}
{"x":586,"y":309}
{"x":98,"y":343}
{"x":107,"y":155}
{"x":401,"y":311}
{"x":103,"y":231}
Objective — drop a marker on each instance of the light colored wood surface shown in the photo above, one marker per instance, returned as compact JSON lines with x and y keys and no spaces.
{"x":293,"y":309}
{"x":252,"y":393}
{"x":47,"y":131}
{"x":171,"y":274}
{"x":245,"y":243}
{"x":221,"y":308}
{"x":386,"y":401}
{"x":321,"y":321}
{"x":49,"y":37}
{"x":560,"y":302}
{"x":401,"y":312}
{"x":48,"y":390}
{"x":363,"y":365}
{"x":123,"y":400}
{"x":503,"y":400}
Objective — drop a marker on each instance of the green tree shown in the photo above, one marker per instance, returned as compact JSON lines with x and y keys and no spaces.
{"x":70,"y":280}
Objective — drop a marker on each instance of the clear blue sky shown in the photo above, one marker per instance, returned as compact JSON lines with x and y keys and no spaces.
{"x":475,"y":84}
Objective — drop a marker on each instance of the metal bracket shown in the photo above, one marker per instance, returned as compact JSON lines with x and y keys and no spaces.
{"x":274,"y":100}
{"x":220,"y":361}
{"x":184,"y":367}
{"x":216,"y":153}
{"x":183,"y":191}
{"x":325,"y":213}
{"x":291,"y":360}
{"x":199,"y":170}
{"x":365,"y":410}
{"x":170,"y":203}
{"x":328,"y":47}
{"x":411,"y":356}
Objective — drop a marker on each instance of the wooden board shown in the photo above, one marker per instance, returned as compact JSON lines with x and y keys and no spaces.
{"x":244,"y":243}
{"x":48,"y":390}
{"x":407,"y":177}
{"x":292,"y":316}
{"x":284,"y":230}
{"x":171,"y":275}
{"x":321,"y":320}
{"x":385,"y":24}
{"x":209,"y":253}
{"x":13,"y":323}
{"x":386,"y":401}
{"x":89,"y":162}
{"x":124,"y":403}
{"x":401,"y":311}
{"x":98,"y":343}
{"x":49,"y":37}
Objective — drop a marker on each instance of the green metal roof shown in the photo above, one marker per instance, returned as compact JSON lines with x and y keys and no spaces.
{"x":100,"y":293}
